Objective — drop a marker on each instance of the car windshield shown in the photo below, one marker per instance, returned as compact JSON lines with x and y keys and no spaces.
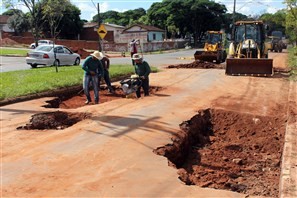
{"x":44,"y":48}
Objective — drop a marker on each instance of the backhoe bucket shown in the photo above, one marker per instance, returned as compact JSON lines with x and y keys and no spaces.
{"x":249,"y":67}
{"x":205,"y":56}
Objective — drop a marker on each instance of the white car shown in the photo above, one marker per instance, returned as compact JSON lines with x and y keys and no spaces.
{"x":44,"y":55}
{"x":41,"y":42}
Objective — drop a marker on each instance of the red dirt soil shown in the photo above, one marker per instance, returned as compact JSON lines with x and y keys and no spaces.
{"x":78,"y":99}
{"x":238,"y":149}
{"x":198,"y":64}
{"x":8,"y":42}
{"x":227,"y":150}
{"x":54,"y":120}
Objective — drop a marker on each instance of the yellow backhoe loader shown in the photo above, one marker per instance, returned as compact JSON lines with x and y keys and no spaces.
{"x":213,"y":48}
{"x":248,"y":52}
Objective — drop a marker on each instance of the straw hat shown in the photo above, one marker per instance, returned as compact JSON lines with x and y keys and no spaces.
{"x":102,"y":54}
{"x":97,"y":55}
{"x":136,"y":57}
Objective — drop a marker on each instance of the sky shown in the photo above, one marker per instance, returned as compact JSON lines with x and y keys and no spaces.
{"x":89,"y":7}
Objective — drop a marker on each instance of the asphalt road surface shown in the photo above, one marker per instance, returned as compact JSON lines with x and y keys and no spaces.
{"x":157,"y":60}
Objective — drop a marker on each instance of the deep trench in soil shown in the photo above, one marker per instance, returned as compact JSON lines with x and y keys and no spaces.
{"x":54,"y":120}
{"x":72,"y":100}
{"x":229,"y":150}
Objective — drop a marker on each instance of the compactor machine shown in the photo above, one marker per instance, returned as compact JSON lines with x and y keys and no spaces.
{"x":248,"y":52}
{"x":213,"y":48}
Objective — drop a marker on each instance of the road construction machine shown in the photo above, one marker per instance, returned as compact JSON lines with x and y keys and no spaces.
{"x":248,"y":52}
{"x":213,"y":48}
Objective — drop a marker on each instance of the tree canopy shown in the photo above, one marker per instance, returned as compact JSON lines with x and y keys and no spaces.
{"x":182,"y":17}
{"x":48,"y":16}
{"x":276,"y":21}
{"x":128,"y":17}
{"x":291,"y":20}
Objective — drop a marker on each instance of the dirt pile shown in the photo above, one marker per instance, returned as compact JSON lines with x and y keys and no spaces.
{"x":54,"y":120}
{"x":82,"y":52}
{"x":8,"y":42}
{"x":227,"y":150}
{"x":198,"y":64}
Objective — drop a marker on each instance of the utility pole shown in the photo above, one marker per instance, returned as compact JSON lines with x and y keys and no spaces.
{"x":99,"y":41}
{"x":233,"y":18}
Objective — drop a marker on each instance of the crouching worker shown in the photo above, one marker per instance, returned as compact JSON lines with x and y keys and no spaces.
{"x":143,"y":70}
{"x":93,"y":69}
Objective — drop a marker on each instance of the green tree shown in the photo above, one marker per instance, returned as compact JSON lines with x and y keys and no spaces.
{"x":52,"y":13}
{"x":276,"y":21}
{"x":11,"y":12}
{"x":184,"y":17}
{"x":107,"y":17}
{"x":291,"y":20}
{"x":131,"y":16}
{"x":228,"y":20}
{"x":125,"y":18}
{"x":157,"y":14}
{"x":71,"y":24}
{"x":34,"y":17}
{"x":18,"y":22}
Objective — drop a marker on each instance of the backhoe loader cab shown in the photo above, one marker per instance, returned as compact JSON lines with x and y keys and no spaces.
{"x":213,"y":49}
{"x":248,"y":53}
{"x":213,"y":37}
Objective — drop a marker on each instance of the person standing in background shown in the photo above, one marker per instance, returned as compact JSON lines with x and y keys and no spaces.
{"x":133,"y":48}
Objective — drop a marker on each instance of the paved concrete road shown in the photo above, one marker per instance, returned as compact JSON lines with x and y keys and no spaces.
{"x":157,"y":60}
{"x":13,"y":64}
{"x":110,"y":153}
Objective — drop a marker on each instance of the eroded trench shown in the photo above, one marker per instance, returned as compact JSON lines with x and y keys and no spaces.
{"x":229,"y":150}
{"x":73,"y":100}
{"x":54,"y":120}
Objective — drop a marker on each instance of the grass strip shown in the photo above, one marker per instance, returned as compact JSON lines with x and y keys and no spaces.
{"x":25,"y":82}
{"x":13,"y":52}
{"x":292,"y":61}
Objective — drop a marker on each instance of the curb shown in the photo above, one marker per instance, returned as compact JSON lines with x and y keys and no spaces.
{"x":55,"y":92}
{"x":288,"y":178}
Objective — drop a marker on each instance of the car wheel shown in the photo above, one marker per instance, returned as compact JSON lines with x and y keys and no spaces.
{"x":77,"y":61}
{"x":33,"y":65}
{"x":56,"y":62}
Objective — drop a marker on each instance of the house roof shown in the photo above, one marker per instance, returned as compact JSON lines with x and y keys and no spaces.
{"x":94,"y":24}
{"x":90,"y":24}
{"x":114,"y":25}
{"x":144,"y":28}
{"x":3,"y":19}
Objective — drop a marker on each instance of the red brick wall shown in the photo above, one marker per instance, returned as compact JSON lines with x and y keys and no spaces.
{"x":91,"y":35}
{"x":107,"y":46}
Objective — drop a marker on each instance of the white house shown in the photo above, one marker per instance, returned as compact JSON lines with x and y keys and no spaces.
{"x":144,"y":33}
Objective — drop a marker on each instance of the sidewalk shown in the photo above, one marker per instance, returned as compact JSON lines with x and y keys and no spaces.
{"x":288,"y":180}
